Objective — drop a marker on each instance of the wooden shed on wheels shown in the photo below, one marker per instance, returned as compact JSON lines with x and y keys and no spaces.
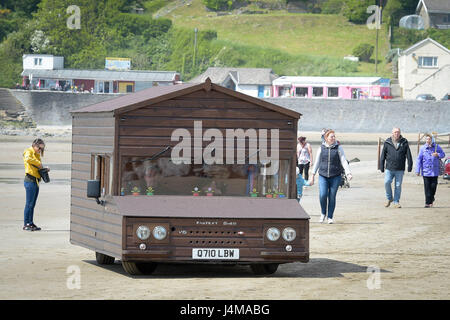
{"x":191,"y":173}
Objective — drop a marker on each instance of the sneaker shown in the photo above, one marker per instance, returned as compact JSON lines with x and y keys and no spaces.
{"x":322,"y":218}
{"x":35,"y":227}
{"x":330,"y":221}
{"x":28,"y":227}
{"x":387,"y":203}
{"x":428,"y":206}
{"x":396,"y":205}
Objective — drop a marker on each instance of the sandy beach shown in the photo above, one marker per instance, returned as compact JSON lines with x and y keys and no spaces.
{"x":371,"y":252}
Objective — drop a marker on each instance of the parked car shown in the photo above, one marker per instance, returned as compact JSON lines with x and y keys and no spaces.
{"x":447,"y":169}
{"x":446,"y":97}
{"x":425,"y":97}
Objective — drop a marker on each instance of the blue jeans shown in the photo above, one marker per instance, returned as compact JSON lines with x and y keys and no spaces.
{"x":389,"y":176}
{"x":328,"y":188}
{"x":32,"y":191}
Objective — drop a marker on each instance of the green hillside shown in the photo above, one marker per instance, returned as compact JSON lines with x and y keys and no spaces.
{"x":254,"y":33}
{"x":316,"y":35}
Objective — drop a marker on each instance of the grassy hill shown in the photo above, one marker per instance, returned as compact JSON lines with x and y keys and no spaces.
{"x":316,"y":35}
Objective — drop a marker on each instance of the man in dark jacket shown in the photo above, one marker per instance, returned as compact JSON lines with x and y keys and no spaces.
{"x":395,"y":153}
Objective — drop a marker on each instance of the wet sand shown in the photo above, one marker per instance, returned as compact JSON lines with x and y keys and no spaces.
{"x":410,"y":247}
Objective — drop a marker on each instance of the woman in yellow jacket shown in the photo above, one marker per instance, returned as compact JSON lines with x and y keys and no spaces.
{"x":32,"y":162}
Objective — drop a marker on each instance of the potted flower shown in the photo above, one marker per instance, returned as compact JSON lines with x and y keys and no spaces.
{"x":275,"y":194}
{"x":269,"y":194}
{"x":135,"y":191}
{"x":209,"y":192}
{"x":122,"y":191}
{"x":195,"y":192}
{"x":254,"y":193}
{"x":281,"y":195}
{"x":150,"y":191}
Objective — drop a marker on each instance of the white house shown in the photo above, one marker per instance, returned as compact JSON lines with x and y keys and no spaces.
{"x":424,"y":68}
{"x":256,"y":82}
{"x":42,"y":62}
{"x":435,"y":13}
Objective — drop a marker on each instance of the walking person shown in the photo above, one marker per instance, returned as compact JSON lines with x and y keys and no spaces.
{"x":304,"y":156}
{"x":393,"y":157}
{"x":32,"y":163}
{"x":428,"y":166}
{"x":330,"y":161}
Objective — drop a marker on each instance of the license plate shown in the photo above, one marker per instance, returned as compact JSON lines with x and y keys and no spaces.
{"x":216,"y":253}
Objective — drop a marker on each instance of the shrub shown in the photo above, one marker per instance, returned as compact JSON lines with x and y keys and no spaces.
{"x":363,"y":51}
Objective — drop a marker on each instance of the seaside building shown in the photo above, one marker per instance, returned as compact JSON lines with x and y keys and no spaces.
{"x":331,"y":87}
{"x":46,"y":72}
{"x":256,"y":82}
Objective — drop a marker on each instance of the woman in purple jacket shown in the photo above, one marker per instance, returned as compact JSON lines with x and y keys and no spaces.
{"x":428,"y":165}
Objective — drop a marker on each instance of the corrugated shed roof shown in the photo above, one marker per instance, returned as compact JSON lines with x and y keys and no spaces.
{"x":256,"y":76}
{"x":131,"y":75}
{"x":161,"y":93}
{"x":134,"y":98}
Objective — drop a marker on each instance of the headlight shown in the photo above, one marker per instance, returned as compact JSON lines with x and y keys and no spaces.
{"x":159,"y":233}
{"x":289,"y":234}
{"x":143,"y":232}
{"x":273,"y":234}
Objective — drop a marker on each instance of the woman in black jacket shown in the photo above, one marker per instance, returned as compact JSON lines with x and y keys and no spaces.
{"x":330,"y":161}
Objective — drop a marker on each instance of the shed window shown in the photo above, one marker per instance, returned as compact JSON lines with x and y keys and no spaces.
{"x":101,"y":170}
{"x":162,"y":177}
{"x":317,"y":92}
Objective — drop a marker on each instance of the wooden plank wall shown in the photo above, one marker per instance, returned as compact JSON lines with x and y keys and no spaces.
{"x":92,"y":226}
{"x":147,"y":130}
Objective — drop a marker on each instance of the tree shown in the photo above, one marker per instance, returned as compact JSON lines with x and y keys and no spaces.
{"x":356,"y":10}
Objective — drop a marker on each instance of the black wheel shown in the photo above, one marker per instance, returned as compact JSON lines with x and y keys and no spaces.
{"x":264,"y":269}
{"x":139,"y":268}
{"x":103,"y":258}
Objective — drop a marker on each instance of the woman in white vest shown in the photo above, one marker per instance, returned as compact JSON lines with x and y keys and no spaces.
{"x":304,"y":156}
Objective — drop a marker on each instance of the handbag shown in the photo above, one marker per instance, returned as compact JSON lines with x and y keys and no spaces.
{"x":441,"y":163}
{"x":441,"y":167}
{"x":44,"y":174}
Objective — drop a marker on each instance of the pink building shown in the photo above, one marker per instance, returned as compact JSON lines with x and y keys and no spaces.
{"x":332,"y":87}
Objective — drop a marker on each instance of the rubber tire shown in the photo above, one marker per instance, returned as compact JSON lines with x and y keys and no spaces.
{"x":139,"y":268}
{"x":103,"y":258}
{"x":264,"y":269}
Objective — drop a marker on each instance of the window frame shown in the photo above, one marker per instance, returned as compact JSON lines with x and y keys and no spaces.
{"x":337,"y":92}
{"x":302,"y":96}
{"x":101,"y":165}
{"x":314,"y":96}
{"x":434,"y":60}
